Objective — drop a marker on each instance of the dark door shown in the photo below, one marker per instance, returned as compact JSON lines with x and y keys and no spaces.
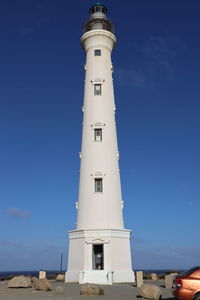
{"x":98,"y":257}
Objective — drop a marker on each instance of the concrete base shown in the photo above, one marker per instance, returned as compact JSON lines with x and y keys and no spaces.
{"x":100,"y":277}
{"x":117,"y":267}
{"x":72,"y":276}
{"x":123,"y":276}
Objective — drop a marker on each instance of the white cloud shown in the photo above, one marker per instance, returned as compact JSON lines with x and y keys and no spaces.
{"x":10,"y":244}
{"x":17,"y":213}
{"x":131,"y":77}
{"x":157,"y":59}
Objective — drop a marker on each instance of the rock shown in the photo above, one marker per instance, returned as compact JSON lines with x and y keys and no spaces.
{"x":150,"y":291}
{"x":91,"y":289}
{"x":59,"y":290}
{"x":169,"y":279}
{"x":60,"y":277}
{"x":43,"y":285}
{"x":20,"y":282}
{"x":154,"y":276}
{"x":35,"y":281}
{"x":139,"y":278}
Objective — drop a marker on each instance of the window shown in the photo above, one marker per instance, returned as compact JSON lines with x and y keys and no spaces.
{"x":97,"y":89}
{"x":98,"y":182}
{"x":98,"y":135}
{"x":97,"y":52}
{"x":98,"y":8}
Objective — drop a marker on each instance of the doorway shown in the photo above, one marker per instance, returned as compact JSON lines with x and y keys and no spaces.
{"x":98,"y":257}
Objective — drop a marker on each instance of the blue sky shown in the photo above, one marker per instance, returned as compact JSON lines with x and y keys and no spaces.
{"x":156,"y":77}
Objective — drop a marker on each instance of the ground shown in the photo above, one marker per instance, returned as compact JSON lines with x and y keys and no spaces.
{"x":72,"y":292}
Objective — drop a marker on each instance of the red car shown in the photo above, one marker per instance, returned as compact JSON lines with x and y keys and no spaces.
{"x":186,"y":286}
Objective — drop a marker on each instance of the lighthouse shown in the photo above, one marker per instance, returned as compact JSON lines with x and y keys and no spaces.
{"x":99,"y":247}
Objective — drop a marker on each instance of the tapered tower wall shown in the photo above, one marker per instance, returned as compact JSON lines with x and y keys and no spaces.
{"x":99,"y":248}
{"x":99,"y":159}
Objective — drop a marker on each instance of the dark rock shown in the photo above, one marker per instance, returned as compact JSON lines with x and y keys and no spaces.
{"x":150,"y":291}
{"x":60,"y":277}
{"x":91,"y":289}
{"x":154,"y":276}
{"x":20,"y":282}
{"x":43,"y":285}
{"x":35,"y":281}
{"x":169,"y":280}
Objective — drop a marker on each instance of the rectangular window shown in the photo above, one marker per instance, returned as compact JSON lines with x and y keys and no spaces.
{"x":98,"y":135}
{"x":97,"y":52}
{"x":98,"y":9}
{"x":98,"y":185}
{"x":97,"y":89}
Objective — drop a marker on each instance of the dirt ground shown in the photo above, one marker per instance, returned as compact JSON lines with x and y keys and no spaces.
{"x":72,"y":292}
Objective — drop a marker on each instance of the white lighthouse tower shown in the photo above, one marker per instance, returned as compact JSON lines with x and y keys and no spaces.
{"x":99,"y":248}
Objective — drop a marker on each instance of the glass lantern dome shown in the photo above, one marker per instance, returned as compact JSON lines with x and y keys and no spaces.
{"x":98,"y":8}
{"x":98,"y":19}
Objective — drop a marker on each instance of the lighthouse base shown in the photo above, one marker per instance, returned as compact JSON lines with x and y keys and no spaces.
{"x":99,"y":256}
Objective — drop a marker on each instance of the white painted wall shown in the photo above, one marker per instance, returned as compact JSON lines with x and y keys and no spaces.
{"x":117,"y":255}
{"x":76,"y":262}
{"x":99,"y":210}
